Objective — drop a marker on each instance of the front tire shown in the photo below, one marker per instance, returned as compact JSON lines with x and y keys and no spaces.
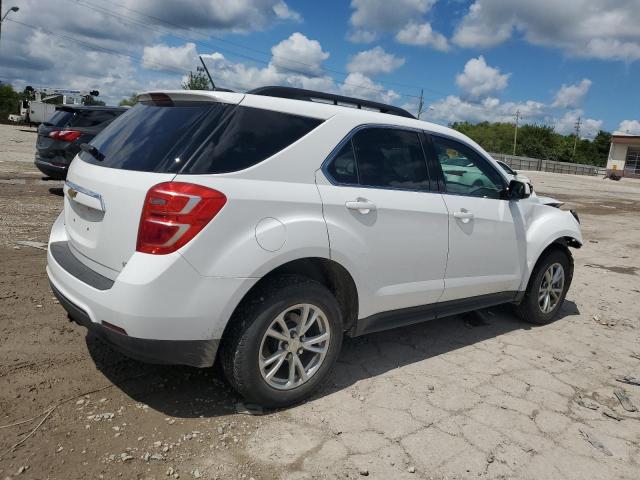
{"x":548,"y":286}
{"x":283,"y":342}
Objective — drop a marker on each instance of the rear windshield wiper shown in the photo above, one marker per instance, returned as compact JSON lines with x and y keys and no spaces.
{"x":93,"y":151}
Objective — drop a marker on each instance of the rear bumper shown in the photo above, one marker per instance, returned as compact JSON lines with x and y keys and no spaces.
{"x":195,"y":353}
{"x":162,"y":309}
{"x":52,"y":167}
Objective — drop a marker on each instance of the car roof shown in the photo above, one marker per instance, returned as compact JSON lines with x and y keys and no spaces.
{"x":312,"y":109}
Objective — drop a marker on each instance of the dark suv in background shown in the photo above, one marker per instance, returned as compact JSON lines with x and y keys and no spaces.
{"x":59,"y":139}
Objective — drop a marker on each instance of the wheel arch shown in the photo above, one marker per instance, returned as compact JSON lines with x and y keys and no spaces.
{"x":560,"y":243}
{"x":327,"y":272}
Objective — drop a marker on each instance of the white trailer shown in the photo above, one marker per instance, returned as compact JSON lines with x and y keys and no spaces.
{"x":39,"y":111}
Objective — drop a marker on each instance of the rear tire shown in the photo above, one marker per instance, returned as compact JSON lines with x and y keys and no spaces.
{"x":268,"y":356}
{"x":548,"y":286}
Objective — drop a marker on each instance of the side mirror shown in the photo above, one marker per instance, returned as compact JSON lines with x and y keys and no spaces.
{"x":518,"y":190}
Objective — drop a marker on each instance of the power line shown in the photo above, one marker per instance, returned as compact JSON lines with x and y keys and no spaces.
{"x":109,"y":51}
{"x":217,"y":47}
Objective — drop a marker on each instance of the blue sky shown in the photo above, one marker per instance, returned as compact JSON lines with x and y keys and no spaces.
{"x":475,"y":59}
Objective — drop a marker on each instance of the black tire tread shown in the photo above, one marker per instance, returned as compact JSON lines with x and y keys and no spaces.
{"x":234,"y":344}
{"x":524,"y":309}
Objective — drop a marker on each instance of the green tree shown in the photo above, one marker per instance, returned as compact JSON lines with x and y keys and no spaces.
{"x":129,"y":102}
{"x":196,"y":81}
{"x":537,"y":141}
{"x":9,"y":100}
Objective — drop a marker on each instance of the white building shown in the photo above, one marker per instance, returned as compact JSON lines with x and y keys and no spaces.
{"x":624,"y":155}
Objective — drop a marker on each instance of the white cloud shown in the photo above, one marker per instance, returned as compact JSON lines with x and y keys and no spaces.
{"x":299,"y":54}
{"x":404,"y":18}
{"x":41,"y":58}
{"x":603,"y":29}
{"x":566,"y":124}
{"x":422,"y":34}
{"x":232,"y":15}
{"x":632,"y":127}
{"x":358,"y":85}
{"x":283,"y":12}
{"x":374,"y":61}
{"x":162,"y":57}
{"x":571,"y":96}
{"x":479,"y":79}
{"x":455,"y":109}
{"x":386,"y":15}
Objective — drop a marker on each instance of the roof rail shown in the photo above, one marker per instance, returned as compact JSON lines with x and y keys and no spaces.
{"x":330,"y":98}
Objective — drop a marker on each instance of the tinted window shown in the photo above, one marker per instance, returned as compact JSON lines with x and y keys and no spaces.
{"x":248,"y":136}
{"x":153,"y":137}
{"x":389,"y":157}
{"x":92,"y":118}
{"x":59,"y":119}
{"x":465,"y":171}
{"x":343,"y":166}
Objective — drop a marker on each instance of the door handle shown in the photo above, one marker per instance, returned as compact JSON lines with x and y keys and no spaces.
{"x":361,"y":205}
{"x":463,"y":215}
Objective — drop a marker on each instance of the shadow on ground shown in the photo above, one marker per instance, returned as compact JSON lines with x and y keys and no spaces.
{"x":191,"y":392}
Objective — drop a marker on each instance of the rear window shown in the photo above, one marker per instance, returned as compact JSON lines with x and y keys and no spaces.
{"x":151,"y":137}
{"x":59,"y":119}
{"x":92,"y":118}
{"x":196,"y":137}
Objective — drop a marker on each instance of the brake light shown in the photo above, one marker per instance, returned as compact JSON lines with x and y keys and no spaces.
{"x":65,"y":135}
{"x":174,"y":213}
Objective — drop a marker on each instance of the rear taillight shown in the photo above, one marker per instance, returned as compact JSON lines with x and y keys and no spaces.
{"x":65,"y":135}
{"x":174,"y":213}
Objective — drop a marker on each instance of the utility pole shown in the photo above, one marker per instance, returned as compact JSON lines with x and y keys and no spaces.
{"x":575,"y":142}
{"x":207,"y":70}
{"x":515,"y":135}
{"x":420,"y":103}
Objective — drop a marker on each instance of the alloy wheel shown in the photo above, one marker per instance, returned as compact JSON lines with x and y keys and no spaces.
{"x":551,"y":288}
{"x":294,"y":346}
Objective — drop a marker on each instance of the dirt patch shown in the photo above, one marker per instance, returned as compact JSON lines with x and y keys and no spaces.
{"x":623,"y":270}
{"x":452,"y":398}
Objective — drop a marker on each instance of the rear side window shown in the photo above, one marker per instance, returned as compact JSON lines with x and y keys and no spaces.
{"x":92,"y":118}
{"x":246,"y":137}
{"x":392,"y":158}
{"x":152,"y":137}
{"x":343,"y":166}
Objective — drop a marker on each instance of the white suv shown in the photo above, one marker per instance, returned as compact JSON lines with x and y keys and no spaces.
{"x":261,"y":227}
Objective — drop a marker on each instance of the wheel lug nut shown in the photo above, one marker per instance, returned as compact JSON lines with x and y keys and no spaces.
{"x":300,"y":351}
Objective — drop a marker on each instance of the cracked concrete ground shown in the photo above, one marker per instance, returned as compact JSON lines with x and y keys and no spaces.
{"x":463,"y":397}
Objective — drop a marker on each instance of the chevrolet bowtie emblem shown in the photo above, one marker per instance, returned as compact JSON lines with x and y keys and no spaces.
{"x":72,"y":193}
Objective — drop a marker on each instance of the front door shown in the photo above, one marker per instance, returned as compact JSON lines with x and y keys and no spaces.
{"x":384,"y":222}
{"x":486,"y":233}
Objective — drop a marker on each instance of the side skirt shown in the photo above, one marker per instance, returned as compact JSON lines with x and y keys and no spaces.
{"x":408,"y":316}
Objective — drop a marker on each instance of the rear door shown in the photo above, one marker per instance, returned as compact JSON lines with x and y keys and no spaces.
{"x":486,"y":233}
{"x":384,"y":221}
{"x":104,"y":193}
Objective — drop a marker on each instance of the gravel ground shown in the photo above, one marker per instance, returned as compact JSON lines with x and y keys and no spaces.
{"x":477,"y":396}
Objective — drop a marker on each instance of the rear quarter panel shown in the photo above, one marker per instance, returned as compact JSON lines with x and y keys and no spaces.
{"x":285,"y":217}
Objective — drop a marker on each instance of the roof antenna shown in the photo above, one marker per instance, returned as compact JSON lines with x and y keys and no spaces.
{"x":207,"y":70}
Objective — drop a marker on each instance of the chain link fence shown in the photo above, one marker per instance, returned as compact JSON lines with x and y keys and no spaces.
{"x":527,"y":163}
